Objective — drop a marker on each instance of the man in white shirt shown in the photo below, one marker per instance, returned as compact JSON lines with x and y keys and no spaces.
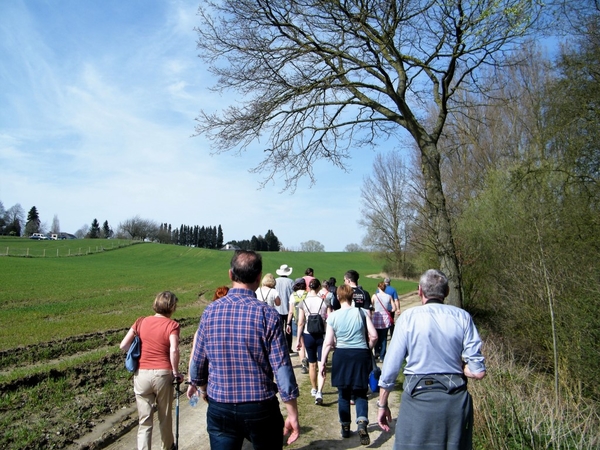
{"x":442,"y":349}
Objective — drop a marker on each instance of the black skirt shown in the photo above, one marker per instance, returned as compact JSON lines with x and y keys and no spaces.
{"x":351,"y":368}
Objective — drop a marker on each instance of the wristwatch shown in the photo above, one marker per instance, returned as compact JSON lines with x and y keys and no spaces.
{"x":380,"y":406}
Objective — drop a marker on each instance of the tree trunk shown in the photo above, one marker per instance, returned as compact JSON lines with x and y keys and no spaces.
{"x":440,"y":221}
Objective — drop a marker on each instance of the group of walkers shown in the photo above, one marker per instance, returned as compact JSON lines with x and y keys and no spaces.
{"x":242,"y":358}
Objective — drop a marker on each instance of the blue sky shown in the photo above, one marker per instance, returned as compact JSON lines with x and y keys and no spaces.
{"x":97,"y":109}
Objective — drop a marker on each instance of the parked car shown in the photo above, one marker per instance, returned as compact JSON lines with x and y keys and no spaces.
{"x":39,"y":236}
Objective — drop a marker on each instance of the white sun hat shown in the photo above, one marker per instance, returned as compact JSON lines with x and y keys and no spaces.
{"x":284,"y":270}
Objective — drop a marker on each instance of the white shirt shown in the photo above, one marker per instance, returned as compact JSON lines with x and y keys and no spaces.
{"x":434,"y":339}
{"x":314,"y":304}
{"x":267,"y":295}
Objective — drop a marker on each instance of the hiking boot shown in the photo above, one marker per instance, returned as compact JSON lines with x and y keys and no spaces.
{"x":345,"y":431}
{"x":363,"y":434}
{"x":318,"y":398}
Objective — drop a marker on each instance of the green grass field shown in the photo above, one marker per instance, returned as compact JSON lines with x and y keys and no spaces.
{"x":49,"y":298}
{"x":66,"y":305}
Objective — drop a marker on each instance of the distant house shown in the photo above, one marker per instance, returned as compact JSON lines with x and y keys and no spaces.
{"x":230,"y":247}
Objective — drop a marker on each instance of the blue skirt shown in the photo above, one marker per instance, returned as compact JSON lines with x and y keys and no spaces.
{"x":351,"y":368}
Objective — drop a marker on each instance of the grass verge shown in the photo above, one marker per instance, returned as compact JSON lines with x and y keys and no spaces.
{"x":515,"y":408}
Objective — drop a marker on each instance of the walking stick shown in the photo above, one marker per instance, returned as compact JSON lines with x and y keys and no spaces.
{"x":177,"y":383}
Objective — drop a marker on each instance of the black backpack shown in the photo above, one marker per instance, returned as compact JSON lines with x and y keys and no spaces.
{"x":335,"y":304}
{"x":314,"y":322}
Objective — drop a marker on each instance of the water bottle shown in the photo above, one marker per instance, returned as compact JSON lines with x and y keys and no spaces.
{"x":194,"y":400}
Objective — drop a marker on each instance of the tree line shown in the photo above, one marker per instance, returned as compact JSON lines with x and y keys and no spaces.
{"x":13,"y":223}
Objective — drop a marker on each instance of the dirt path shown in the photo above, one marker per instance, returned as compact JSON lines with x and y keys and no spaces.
{"x":319,"y":424}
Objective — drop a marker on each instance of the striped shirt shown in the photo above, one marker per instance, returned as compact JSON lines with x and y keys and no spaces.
{"x":241,"y":350}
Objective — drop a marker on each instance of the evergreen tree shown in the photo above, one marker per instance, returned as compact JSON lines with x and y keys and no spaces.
{"x":202,"y":238}
{"x":94,"y":230}
{"x":181,"y":239}
{"x":273,"y":244}
{"x":213,"y":237}
{"x":106,"y":231}
{"x":219,"y":237}
{"x":196,"y":236}
{"x":2,"y":219}
{"x":33,"y":222}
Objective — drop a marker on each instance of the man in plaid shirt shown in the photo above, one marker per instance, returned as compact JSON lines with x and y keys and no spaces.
{"x":240,"y":362}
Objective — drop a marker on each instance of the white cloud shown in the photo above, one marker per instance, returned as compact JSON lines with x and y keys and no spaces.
{"x":96,"y":122}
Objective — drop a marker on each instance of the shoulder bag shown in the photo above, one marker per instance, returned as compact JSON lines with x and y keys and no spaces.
{"x":132,"y":360}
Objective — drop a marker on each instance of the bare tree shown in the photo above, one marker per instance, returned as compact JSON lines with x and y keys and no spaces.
{"x":138,"y":228}
{"x":320,"y":78}
{"x":83,"y":231}
{"x":312,"y":246}
{"x":14,"y":217}
{"x":55,"y":229}
{"x":353,"y":248}
{"x":2,"y":218}
{"x":387,"y":213}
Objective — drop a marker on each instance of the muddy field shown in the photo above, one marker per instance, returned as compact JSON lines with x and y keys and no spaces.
{"x":75,"y":394}
{"x":57,"y":392}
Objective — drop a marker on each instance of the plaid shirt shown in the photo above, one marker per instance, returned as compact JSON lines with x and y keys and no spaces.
{"x":240,"y":350}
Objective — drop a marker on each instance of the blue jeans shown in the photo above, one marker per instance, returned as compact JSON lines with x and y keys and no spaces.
{"x":361,"y":403}
{"x":259,"y":422}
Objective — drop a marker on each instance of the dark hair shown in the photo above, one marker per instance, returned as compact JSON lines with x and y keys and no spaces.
{"x":352,"y":275}
{"x":300,"y":283}
{"x":309,"y":271}
{"x":246,"y":266}
{"x":314,"y":284}
{"x":332,"y":281}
